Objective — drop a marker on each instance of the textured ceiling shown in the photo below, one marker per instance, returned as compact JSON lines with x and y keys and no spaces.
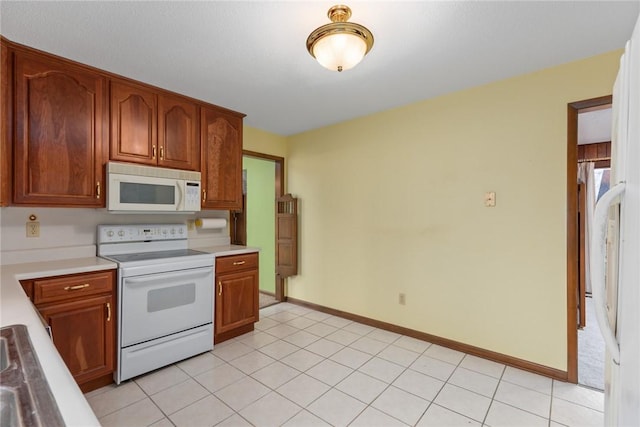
{"x":251,"y":56}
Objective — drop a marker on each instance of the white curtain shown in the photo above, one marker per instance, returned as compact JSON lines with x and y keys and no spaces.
{"x":586,"y":176}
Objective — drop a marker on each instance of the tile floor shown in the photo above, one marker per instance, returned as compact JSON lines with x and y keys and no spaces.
{"x":306,"y":368}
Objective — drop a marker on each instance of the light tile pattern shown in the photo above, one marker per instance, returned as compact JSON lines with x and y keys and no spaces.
{"x":302,"y":368}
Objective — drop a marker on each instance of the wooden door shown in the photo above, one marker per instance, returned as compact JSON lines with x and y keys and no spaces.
{"x":178,"y":142}
{"x":582,"y":279}
{"x":287,"y":236}
{"x":133,"y":124}
{"x":236,"y":300}
{"x":59,"y":117}
{"x":239,"y":224}
{"x":83,"y":332}
{"x":221,"y":136}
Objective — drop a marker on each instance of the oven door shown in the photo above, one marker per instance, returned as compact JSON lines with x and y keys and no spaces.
{"x":157,"y":305}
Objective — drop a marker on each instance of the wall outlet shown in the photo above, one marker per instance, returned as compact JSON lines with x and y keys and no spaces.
{"x":402,"y":299}
{"x":490,"y":199}
{"x":33,"y":229}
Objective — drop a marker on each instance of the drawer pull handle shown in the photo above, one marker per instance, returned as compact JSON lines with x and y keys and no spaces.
{"x":98,"y":190}
{"x":153,"y":152}
{"x":161,"y":152}
{"x":108,"y":312}
{"x":204,"y":195}
{"x":239,"y":262}
{"x":219,"y":288}
{"x":76,"y":287}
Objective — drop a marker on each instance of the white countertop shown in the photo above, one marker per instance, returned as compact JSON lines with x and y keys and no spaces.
{"x":223,"y":250}
{"x":16,"y":308}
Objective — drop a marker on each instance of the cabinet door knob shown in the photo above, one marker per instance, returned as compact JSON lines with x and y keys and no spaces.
{"x":76,"y":287}
{"x":108,"y":312}
{"x":219,"y":288}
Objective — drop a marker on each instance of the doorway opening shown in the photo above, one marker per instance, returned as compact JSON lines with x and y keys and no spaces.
{"x":256,"y":225}
{"x":584,"y":156}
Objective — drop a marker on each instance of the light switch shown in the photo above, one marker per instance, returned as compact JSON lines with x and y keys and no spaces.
{"x":490,"y":199}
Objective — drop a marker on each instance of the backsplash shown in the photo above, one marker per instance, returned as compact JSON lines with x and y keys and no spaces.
{"x":71,"y":232}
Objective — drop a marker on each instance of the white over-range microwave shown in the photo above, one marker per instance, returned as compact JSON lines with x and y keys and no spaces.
{"x":134,"y":188}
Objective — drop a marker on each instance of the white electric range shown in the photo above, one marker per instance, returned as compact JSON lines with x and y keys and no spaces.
{"x":165,"y":295}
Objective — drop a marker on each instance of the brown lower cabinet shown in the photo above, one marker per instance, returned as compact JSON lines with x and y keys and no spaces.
{"x":80,"y":309}
{"x":236,"y":295}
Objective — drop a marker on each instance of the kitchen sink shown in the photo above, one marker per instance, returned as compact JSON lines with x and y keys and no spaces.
{"x":25,"y":397}
{"x":9,"y":409}
{"x":4,"y":355}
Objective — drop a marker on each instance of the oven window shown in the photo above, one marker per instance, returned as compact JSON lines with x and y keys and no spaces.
{"x":148,"y":194}
{"x":174,"y":296}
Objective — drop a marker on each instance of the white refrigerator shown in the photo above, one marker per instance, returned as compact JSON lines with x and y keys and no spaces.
{"x":615,"y":246}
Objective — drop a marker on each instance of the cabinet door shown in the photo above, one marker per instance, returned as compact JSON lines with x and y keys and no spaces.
{"x":178,"y":142}
{"x":59,"y":118}
{"x":221,"y":136}
{"x":5,"y":124}
{"x":236,"y":300}
{"x":83,"y":331}
{"x":133,"y":124}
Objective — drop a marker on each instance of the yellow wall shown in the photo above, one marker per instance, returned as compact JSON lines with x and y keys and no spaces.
{"x":264,"y":142}
{"x":393,"y":202}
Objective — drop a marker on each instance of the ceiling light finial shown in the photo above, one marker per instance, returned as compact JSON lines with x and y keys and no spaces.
{"x":340,"y":45}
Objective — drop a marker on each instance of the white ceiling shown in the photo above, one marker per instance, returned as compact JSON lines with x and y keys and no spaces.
{"x":250,"y":56}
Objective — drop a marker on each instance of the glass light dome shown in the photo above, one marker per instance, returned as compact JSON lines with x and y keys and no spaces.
{"x":339,"y":52}
{"x":340,"y":45}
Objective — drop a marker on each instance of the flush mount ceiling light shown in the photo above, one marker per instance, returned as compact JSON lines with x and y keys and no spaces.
{"x":340,"y":45}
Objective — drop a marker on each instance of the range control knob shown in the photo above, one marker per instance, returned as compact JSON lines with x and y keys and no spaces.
{"x":110,"y":233}
{"x":180,"y":230}
{"x":173,"y":231}
{"x":120,"y":233}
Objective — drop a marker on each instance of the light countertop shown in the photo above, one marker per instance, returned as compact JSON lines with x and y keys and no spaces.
{"x":16,"y":308}
{"x":224,"y":250}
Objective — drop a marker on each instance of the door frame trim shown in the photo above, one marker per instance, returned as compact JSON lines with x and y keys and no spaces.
{"x":573,"y":249}
{"x":279,"y":192}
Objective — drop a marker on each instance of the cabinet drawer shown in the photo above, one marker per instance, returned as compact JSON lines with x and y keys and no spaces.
{"x":236,"y":262}
{"x":72,"y":286}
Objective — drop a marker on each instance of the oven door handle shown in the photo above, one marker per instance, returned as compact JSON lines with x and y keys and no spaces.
{"x":170,"y":278}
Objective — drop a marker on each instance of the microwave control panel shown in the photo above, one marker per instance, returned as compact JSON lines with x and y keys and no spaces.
{"x":192,"y":196}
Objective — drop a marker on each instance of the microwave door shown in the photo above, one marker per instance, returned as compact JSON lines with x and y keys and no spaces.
{"x":138,"y":193}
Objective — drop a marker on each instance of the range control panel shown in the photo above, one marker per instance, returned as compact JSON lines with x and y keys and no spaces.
{"x":141,"y":232}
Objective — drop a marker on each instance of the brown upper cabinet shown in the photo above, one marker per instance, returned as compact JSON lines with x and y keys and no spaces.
{"x":221,"y":134}
{"x":60,"y":117}
{"x":61,"y":121}
{"x":153,"y":128}
{"x":5,"y":125}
